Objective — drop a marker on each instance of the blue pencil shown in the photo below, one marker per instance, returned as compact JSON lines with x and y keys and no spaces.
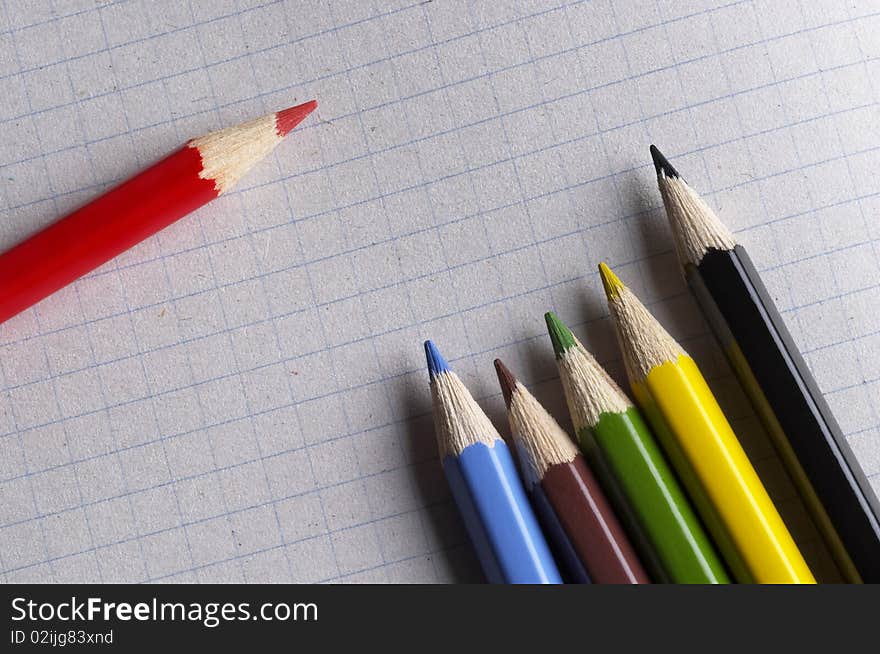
{"x":485,"y":484}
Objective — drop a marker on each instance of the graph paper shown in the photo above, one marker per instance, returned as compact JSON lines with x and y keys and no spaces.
{"x":243,"y":397}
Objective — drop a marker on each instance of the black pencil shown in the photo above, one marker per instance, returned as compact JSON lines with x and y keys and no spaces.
{"x":775,"y":377}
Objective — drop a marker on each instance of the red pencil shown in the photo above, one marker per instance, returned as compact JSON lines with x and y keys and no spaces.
{"x":203,"y":169}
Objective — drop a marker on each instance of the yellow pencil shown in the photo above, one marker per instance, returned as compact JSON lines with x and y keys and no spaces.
{"x":702,"y":446}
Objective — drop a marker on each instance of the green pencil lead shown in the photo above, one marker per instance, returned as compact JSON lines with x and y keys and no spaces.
{"x":561,"y":337}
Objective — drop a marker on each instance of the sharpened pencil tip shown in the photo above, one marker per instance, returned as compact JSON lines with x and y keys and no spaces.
{"x":436,"y":362}
{"x":287,"y":119}
{"x":662,"y":165}
{"x":560,"y":335}
{"x":506,"y":379}
{"x":610,"y":282}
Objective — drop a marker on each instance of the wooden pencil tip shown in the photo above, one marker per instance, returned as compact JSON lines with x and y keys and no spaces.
{"x":610,"y":282}
{"x":506,"y":379}
{"x":436,"y":362}
{"x":662,"y":165}
{"x":287,"y":119}
{"x":560,"y":335}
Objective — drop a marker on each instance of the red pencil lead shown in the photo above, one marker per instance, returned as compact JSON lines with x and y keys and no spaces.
{"x":287,"y":119}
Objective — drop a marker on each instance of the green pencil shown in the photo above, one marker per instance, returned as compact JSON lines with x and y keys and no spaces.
{"x":619,"y":445}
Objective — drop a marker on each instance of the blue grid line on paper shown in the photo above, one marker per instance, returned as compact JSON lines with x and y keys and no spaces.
{"x":330,"y":31}
{"x":345,"y":435}
{"x":55,"y":17}
{"x":159,"y":304}
{"x":479,"y":77}
{"x":404,"y":98}
{"x":359,"y":557}
{"x":708,"y":193}
{"x":381,"y":380}
{"x":309,"y":492}
{"x":475,"y":354}
{"x":128,"y":312}
{"x":536,"y":151}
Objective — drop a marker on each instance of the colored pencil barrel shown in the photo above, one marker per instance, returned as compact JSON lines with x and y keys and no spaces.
{"x":486,"y":478}
{"x":571,"y":566}
{"x":485,"y":485}
{"x":590,"y":524}
{"x":560,"y":482}
{"x":609,"y":425}
{"x":79,"y":242}
{"x":682,"y":545}
{"x":790,"y":404}
{"x":686,"y":406}
{"x":676,"y":397}
{"x":775,"y":377}
{"x":92,"y":235}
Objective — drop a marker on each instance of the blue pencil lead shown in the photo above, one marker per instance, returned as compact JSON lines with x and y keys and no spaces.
{"x":436,"y":362}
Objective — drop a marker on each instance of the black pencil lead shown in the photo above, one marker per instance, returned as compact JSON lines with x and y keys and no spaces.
{"x":661,"y":164}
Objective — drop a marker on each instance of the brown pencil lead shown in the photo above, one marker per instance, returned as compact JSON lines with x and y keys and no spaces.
{"x":506,"y":379}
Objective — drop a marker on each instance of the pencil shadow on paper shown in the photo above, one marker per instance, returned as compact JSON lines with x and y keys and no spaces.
{"x":451,"y":553}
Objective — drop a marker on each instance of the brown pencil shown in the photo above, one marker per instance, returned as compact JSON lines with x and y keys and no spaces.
{"x":589,"y":540}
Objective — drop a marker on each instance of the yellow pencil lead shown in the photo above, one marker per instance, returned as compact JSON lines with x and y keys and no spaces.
{"x":610,"y":281}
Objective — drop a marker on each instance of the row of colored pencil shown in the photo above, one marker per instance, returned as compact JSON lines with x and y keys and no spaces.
{"x":671,"y":496}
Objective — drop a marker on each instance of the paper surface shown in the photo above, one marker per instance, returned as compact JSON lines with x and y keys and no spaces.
{"x":243,"y":397}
